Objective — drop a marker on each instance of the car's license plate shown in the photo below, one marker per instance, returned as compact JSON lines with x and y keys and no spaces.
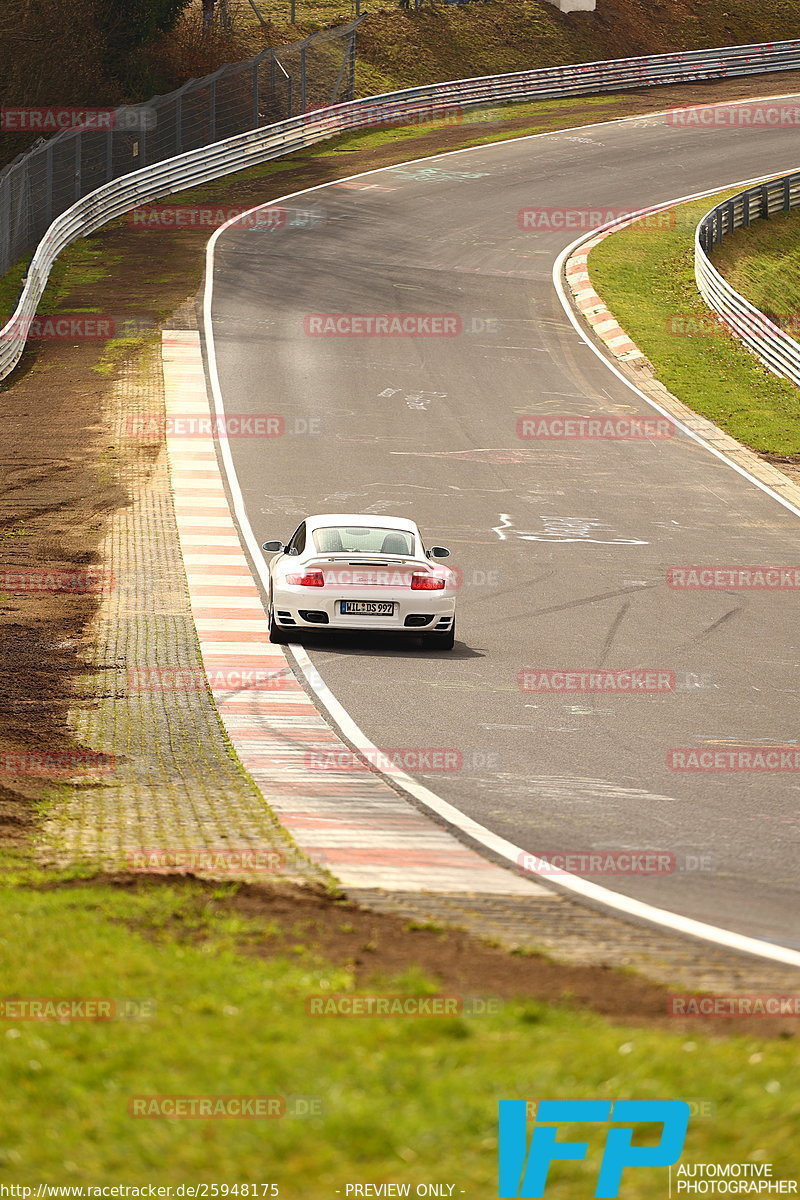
{"x":370,"y":608}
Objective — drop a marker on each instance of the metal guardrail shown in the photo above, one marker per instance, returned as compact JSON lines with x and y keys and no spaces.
{"x":200,"y":165}
{"x":96,"y":146}
{"x":775,"y":348}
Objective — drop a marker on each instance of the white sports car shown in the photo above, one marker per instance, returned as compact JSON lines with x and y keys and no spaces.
{"x":344,"y":571}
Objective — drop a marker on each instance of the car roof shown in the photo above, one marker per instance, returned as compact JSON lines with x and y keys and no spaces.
{"x":375,"y":521}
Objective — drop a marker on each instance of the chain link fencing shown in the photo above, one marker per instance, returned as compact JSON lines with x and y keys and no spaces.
{"x":275,"y":85}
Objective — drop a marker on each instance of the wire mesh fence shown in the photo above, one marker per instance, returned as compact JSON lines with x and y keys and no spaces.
{"x":275,"y":85}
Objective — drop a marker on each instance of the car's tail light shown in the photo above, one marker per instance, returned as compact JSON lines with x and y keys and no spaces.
{"x":310,"y":579}
{"x":426,"y":583}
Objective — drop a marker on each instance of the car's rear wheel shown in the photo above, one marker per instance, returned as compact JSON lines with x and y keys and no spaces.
{"x":440,"y":641}
{"x":276,"y":634}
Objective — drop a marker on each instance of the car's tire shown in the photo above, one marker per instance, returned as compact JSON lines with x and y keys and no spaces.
{"x":277,"y":635}
{"x":440,"y":641}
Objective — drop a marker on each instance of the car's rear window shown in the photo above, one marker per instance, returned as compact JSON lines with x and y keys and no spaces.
{"x":362,"y":539}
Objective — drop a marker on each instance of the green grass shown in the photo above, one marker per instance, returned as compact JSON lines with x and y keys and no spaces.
{"x":10,"y":288}
{"x":403,"y":1099}
{"x":646,"y":277}
{"x":763,"y":264}
{"x":82,"y":264}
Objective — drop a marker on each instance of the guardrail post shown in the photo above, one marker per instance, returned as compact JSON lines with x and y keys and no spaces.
{"x":746,"y":210}
{"x":731,"y":217}
{"x":765,"y":202}
{"x":787,"y":194}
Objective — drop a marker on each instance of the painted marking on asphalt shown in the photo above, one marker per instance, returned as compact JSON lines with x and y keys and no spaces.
{"x":566,"y":529}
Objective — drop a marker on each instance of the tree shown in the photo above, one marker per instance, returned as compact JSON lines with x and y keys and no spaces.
{"x":130,"y":24}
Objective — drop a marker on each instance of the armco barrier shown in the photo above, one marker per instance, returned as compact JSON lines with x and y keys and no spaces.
{"x":261,"y":144}
{"x":775,"y":348}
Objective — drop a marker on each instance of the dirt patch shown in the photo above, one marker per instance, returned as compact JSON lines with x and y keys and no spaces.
{"x":63,"y":473}
{"x":377,"y":947}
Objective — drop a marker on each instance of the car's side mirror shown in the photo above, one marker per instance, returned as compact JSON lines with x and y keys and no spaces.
{"x":272,"y":547}
{"x":438,"y":552}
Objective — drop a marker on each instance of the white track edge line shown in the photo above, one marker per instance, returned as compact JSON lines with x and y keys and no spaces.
{"x":570,"y":883}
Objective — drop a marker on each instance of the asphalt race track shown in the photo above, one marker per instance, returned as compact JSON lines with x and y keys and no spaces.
{"x":563,"y":545}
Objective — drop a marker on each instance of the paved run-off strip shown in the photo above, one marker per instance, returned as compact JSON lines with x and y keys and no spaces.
{"x":349,"y":820}
{"x":171,"y":797}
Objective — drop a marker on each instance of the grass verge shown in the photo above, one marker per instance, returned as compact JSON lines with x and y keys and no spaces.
{"x":400,"y":1099}
{"x":645,"y":274}
{"x":763,"y":264}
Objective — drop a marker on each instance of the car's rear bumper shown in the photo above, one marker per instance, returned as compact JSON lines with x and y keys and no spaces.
{"x":420,"y":612}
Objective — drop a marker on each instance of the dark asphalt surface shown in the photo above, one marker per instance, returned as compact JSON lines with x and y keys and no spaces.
{"x":564,"y":546}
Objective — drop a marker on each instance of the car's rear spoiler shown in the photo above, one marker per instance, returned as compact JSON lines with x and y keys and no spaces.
{"x":384,"y":560}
